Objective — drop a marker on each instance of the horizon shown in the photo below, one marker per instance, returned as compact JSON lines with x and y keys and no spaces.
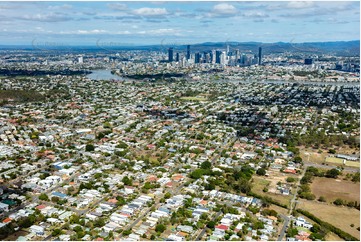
{"x":176,"y":23}
{"x":160,"y":45}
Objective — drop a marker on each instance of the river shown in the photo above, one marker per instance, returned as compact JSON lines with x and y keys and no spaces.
{"x":106,"y":75}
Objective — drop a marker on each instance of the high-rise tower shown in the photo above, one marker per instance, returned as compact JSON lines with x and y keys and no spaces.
{"x":260,"y":56}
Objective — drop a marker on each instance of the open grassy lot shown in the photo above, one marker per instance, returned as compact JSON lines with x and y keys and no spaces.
{"x":257,"y":187}
{"x":319,"y":155}
{"x":339,"y":161}
{"x":332,"y":189}
{"x":332,"y":237}
{"x":341,"y":217}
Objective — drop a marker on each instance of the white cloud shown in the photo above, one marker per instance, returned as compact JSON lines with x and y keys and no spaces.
{"x":224,"y":8}
{"x":255,"y":15}
{"x":50,"y":17}
{"x":118,"y":6}
{"x":61,"y":7}
{"x":150,"y":11}
{"x":300,"y":5}
{"x":94,"y":31}
{"x":160,"y":32}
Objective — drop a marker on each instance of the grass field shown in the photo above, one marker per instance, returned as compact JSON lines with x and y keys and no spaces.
{"x":341,"y":217}
{"x":313,"y":155}
{"x":332,"y":237}
{"x":257,"y":187}
{"x":194,"y":98}
{"x":332,"y":189}
{"x":339,"y":161}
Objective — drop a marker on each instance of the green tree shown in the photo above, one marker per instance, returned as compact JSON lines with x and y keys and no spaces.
{"x":206,"y":165}
{"x":56,"y":232}
{"x":333,"y":173}
{"x":160,"y":228}
{"x":127,"y":181}
{"x":338,"y":202}
{"x":298,"y":159}
{"x":261,"y":172}
{"x":43,"y":197}
{"x":211,"y":224}
{"x":89,"y":147}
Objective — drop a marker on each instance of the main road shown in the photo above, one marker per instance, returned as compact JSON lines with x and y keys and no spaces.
{"x":292,"y":206}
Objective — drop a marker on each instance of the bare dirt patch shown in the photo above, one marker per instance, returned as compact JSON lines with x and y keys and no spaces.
{"x":332,"y":189}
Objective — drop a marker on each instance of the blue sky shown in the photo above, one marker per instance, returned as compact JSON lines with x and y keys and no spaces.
{"x":143,"y":23}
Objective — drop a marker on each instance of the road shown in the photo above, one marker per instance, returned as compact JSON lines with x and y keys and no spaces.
{"x":292,"y":206}
{"x":201,"y":234}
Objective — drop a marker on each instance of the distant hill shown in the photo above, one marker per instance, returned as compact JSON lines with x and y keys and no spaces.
{"x":342,"y":48}
{"x":345,"y":48}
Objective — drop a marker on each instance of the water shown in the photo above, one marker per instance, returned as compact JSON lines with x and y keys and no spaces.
{"x":106,"y":75}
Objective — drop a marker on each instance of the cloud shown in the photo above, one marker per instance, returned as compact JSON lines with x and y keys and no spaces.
{"x":50,"y":17}
{"x":224,"y":9}
{"x":149,"y":12}
{"x":94,"y":31}
{"x":300,"y":5}
{"x":255,"y":15}
{"x":160,"y":32}
{"x":330,"y":20}
{"x":60,"y":7}
{"x":117,"y":6}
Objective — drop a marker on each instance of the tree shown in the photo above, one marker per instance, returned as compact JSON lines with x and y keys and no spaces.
{"x":261,"y":172}
{"x":356,"y":177}
{"x":89,"y":147}
{"x":43,"y":197}
{"x":56,"y":232}
{"x":322,"y":199}
{"x":206,"y":165}
{"x":298,"y":159}
{"x":332,"y":151}
{"x":338,"y":202}
{"x":292,"y":232}
{"x":160,"y":228}
{"x":196,"y":174}
{"x":211,"y":224}
{"x":333,"y":173}
{"x":290,"y":179}
{"x":55,"y":199}
{"x":167,"y":195}
{"x":127,"y":181}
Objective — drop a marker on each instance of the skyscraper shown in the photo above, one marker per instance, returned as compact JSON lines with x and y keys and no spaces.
{"x":218,"y":56}
{"x":188,"y":52}
{"x":177,"y":57}
{"x":170,"y":54}
{"x":260,"y":56}
{"x":197,"y":58}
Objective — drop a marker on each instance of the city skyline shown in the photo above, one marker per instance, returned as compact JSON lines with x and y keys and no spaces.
{"x":177,"y":23}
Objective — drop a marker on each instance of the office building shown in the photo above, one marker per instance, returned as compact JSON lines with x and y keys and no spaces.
{"x":218,"y":56}
{"x":170,"y":54}
{"x":188,"y":52}
{"x":197,"y":58}
{"x":308,"y":61}
{"x":260,"y":56}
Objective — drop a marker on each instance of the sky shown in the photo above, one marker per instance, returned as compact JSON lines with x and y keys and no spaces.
{"x":176,"y":23}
